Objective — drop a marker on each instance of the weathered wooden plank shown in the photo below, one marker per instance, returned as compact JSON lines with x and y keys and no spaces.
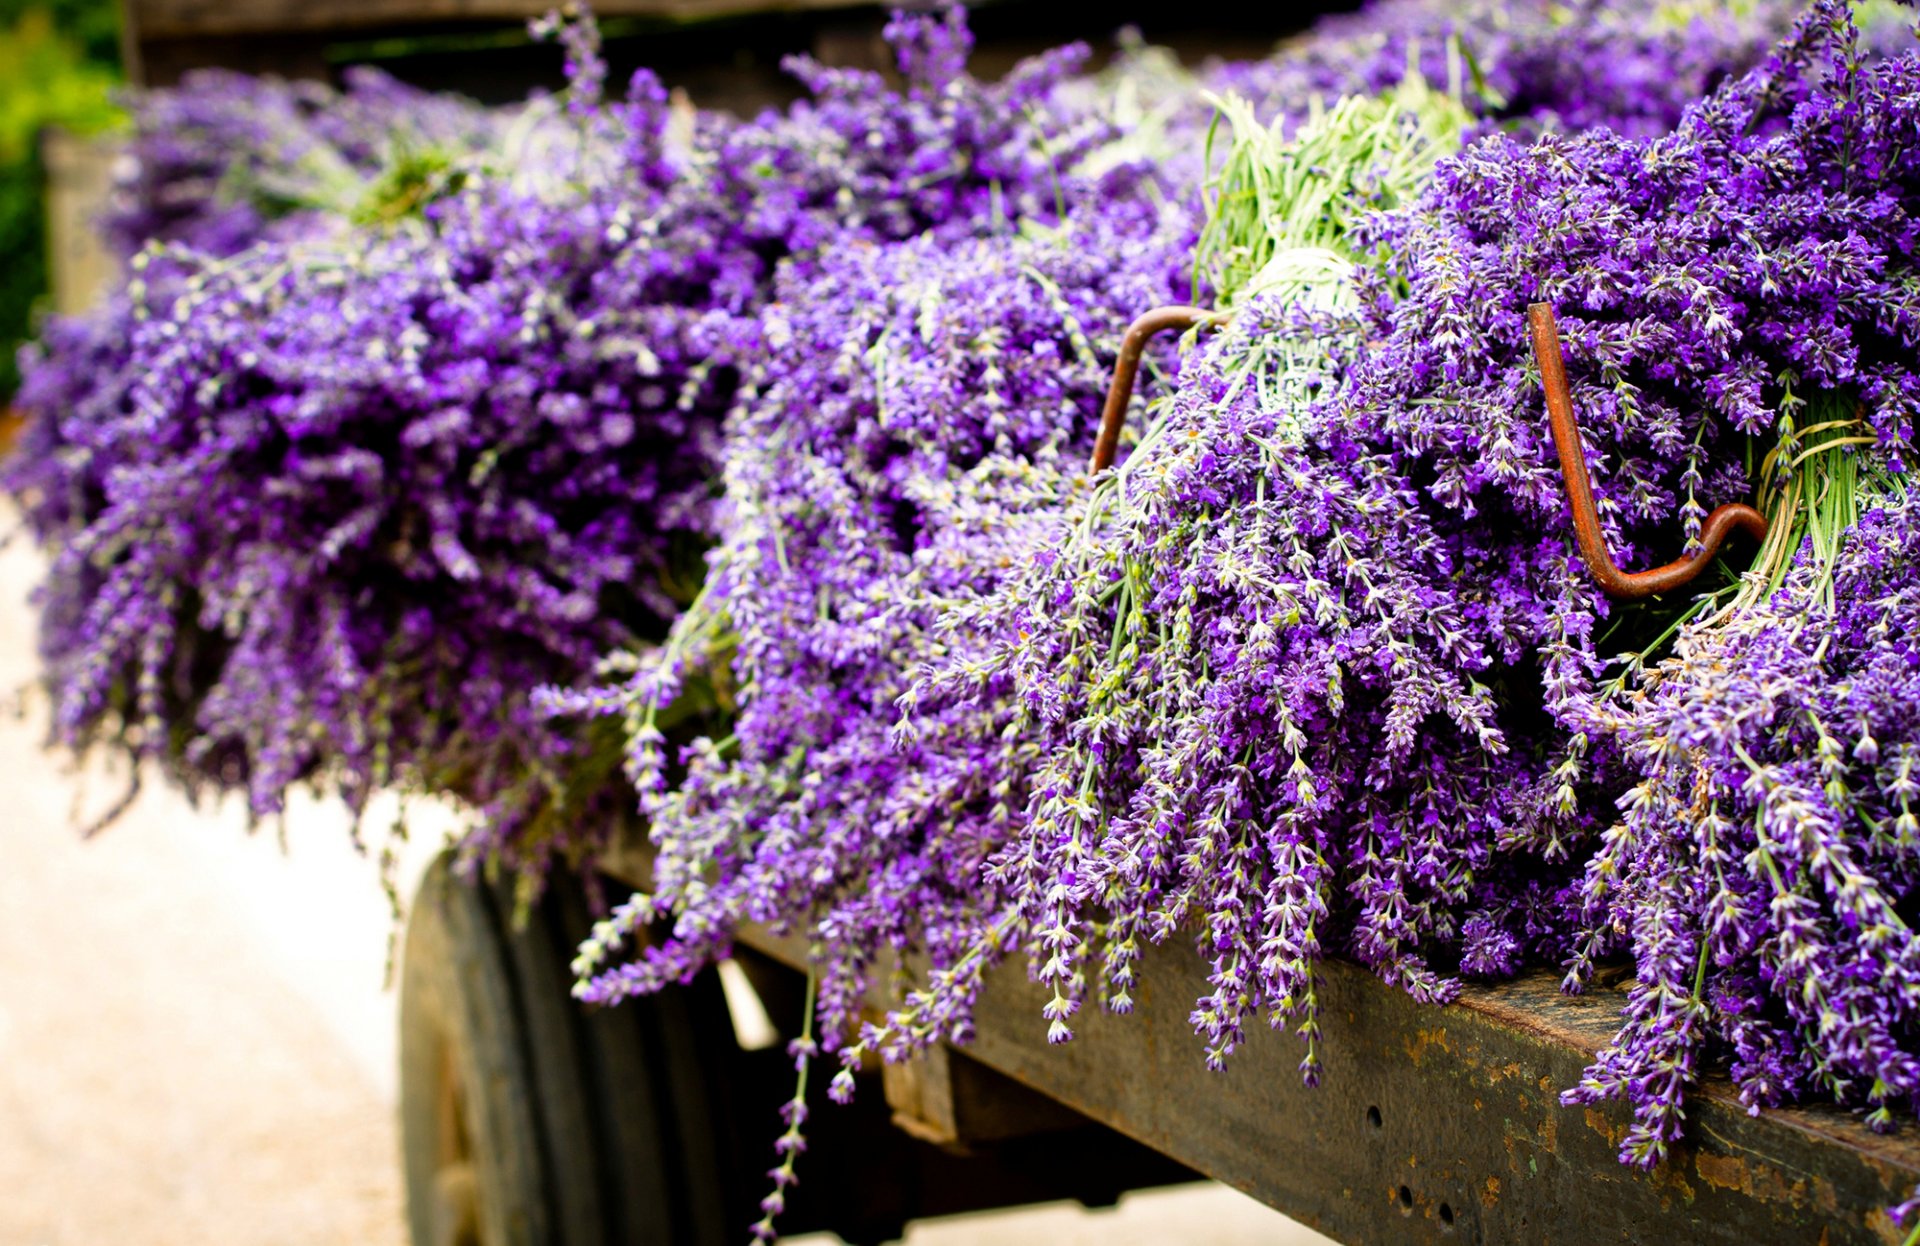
{"x":177,"y":19}
{"x":1443,"y":1124}
{"x":1437,"y":1124}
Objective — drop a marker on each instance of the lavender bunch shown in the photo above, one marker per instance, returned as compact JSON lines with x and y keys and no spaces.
{"x":918,"y":424}
{"x":341,"y":504}
{"x":1765,"y":855}
{"x":329,"y":508}
{"x":880,"y":530}
{"x":225,"y":159}
{"x":1758,"y":268}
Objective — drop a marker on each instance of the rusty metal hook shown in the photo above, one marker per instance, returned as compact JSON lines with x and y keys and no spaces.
{"x":1127,"y":366}
{"x":1618,"y":584}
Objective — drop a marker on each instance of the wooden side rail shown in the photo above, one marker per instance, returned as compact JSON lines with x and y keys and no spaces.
{"x":1436,"y":1124}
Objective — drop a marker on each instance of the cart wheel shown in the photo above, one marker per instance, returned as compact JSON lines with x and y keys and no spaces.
{"x":527,"y":1120}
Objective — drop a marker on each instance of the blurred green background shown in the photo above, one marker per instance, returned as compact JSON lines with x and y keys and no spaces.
{"x":59,"y":66}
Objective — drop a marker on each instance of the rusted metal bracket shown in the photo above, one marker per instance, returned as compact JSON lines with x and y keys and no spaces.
{"x":1618,"y":584}
{"x":1120,"y":391}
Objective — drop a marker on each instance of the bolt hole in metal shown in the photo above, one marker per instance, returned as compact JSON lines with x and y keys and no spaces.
{"x":1373,"y":1117}
{"x":1406,"y":1200}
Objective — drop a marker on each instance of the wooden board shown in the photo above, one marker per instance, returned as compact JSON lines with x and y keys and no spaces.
{"x":1437,"y":1124}
{"x":178,"y":19}
{"x":1444,"y":1124}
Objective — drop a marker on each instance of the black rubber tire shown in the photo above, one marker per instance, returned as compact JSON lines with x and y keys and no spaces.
{"x":580,"y":1127}
{"x":469,"y":1142}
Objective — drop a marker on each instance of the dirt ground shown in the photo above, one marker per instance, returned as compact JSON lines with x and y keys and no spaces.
{"x":196,"y":1045}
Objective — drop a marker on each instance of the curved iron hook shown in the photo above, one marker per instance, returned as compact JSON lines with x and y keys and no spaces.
{"x":1127,"y":366}
{"x":1618,"y":584}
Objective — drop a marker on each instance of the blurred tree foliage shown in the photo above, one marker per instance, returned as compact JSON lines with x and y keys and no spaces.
{"x":59,"y":63}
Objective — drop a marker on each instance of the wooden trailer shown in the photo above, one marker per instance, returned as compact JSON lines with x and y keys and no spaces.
{"x":533,"y":1122}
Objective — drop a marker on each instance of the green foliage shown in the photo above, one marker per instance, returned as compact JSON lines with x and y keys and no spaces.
{"x":1281,"y":211}
{"x":57,"y":68}
{"x":1282,"y":205}
{"x":91,"y":26}
{"x":404,"y":190}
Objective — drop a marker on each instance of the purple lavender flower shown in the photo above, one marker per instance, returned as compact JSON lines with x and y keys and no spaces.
{"x":911,"y":436}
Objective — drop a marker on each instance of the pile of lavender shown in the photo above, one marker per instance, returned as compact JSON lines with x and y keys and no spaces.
{"x":327,"y":504}
{"x":1318,"y":670}
{"x":323,"y":508}
{"x":760,"y":449}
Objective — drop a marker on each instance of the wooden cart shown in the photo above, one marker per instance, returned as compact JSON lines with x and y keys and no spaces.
{"x":529,"y":1120}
